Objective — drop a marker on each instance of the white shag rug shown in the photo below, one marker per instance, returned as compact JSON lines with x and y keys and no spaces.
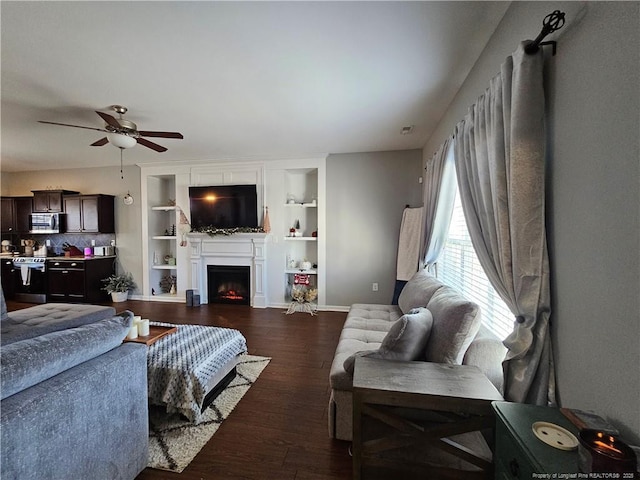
{"x":174,"y":442}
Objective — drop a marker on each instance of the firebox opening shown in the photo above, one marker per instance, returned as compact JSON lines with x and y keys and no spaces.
{"x":228,"y":284}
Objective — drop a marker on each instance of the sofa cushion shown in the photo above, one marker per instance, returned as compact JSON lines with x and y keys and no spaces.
{"x":50,"y":317}
{"x":372,"y":317}
{"x":418,"y":291}
{"x":456,"y":322}
{"x":405,"y":341}
{"x":28,"y":362}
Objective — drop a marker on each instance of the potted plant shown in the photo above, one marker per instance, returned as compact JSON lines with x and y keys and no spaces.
{"x":118,"y":285}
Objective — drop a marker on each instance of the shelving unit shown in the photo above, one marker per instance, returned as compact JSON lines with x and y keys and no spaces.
{"x":160,"y":219}
{"x":300,"y":206}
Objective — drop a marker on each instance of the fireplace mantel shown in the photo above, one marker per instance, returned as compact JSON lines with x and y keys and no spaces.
{"x":246,"y":249}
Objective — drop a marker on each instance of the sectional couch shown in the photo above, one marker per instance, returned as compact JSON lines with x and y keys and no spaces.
{"x":432,"y":322}
{"x":73,"y":397}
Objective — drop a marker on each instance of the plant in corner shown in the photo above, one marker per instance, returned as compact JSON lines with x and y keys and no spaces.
{"x":119,"y":285}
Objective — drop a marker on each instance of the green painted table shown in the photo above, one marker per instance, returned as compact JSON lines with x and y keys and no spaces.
{"x":520,"y":454}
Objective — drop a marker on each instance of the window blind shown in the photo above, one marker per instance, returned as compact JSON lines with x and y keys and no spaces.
{"x":459,"y":267}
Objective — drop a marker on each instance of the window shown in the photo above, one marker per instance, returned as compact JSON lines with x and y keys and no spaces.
{"x":460,"y":268}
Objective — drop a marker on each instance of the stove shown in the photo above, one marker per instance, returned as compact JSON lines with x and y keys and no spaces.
{"x":30,"y":279}
{"x":36,"y":261}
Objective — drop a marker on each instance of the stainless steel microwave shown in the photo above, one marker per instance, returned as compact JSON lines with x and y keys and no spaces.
{"x":47,"y":222}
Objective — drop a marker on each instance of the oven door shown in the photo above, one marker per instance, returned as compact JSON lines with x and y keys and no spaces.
{"x":30,"y":283}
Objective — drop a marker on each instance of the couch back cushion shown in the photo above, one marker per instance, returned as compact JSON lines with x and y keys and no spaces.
{"x":406,"y":339}
{"x":39,"y":320}
{"x":456,"y":322}
{"x":418,"y":291}
{"x":28,"y":362}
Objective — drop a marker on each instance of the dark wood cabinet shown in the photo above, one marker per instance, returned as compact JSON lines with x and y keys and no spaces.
{"x":78,"y":280}
{"x":23,"y":208}
{"x":7,"y":270}
{"x":49,"y":200}
{"x":15,"y":214}
{"x":8,"y":215}
{"x":90,"y":213}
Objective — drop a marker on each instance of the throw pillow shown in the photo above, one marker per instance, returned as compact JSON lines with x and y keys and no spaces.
{"x":418,"y":291}
{"x":28,"y":362}
{"x":405,"y":340}
{"x":456,"y":322}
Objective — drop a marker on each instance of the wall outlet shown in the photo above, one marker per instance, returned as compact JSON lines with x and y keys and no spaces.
{"x":93,"y":242}
{"x":374,"y":286}
{"x":47,"y":242}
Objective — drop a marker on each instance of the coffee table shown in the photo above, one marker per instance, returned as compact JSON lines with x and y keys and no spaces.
{"x":405,"y":412}
{"x":188,"y":368}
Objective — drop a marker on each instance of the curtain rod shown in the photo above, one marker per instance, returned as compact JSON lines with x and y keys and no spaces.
{"x":552,"y":22}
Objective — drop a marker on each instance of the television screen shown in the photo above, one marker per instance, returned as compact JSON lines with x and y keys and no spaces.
{"x":224,"y":206}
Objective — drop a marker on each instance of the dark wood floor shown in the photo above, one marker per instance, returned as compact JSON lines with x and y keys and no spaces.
{"x":278,"y":431}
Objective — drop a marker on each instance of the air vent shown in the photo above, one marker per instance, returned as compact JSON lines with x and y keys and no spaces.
{"x":407,"y":130}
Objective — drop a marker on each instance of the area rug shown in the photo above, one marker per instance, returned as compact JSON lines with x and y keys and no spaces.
{"x":174,"y":442}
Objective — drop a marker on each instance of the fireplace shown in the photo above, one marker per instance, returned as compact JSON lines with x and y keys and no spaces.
{"x":230,"y":284}
{"x":240,"y":249}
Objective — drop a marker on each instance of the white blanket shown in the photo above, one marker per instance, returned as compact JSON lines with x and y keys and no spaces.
{"x":409,"y":243}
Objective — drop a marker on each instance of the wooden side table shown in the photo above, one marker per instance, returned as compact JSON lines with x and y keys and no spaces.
{"x":404,"y":412}
{"x":519,"y":453}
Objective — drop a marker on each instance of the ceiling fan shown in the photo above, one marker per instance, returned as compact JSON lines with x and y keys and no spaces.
{"x":123,"y":133}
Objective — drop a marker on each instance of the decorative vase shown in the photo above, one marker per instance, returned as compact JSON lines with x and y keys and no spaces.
{"x":172,"y":291}
{"x":117,"y":297}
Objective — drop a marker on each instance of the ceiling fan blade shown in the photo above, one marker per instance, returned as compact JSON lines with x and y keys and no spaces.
{"x":75,"y":126}
{"x":151,"y":145}
{"x":160,"y":134}
{"x":110,"y":120}
{"x":101,"y":142}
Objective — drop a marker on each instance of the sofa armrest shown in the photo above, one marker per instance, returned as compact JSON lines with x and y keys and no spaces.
{"x":90,"y":421}
{"x":487,"y":353}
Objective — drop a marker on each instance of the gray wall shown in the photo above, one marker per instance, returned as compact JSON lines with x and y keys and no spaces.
{"x":366,"y":195}
{"x":593,"y":195}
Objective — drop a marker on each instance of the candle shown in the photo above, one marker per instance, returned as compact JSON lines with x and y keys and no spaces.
{"x":603,"y":452}
{"x":143,"y":327}
{"x":133,"y":332}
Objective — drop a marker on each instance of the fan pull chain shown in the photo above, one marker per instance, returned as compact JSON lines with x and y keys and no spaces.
{"x":121,"y":174}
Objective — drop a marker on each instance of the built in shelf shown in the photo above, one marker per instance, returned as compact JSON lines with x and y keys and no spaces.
{"x":303,"y":272}
{"x":165,"y":208}
{"x":164,"y":267}
{"x":304,"y":239}
{"x":304,"y":205}
{"x":164,"y":237}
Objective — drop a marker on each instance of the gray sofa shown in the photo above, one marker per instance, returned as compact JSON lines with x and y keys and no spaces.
{"x":73,"y":396}
{"x":432,"y":322}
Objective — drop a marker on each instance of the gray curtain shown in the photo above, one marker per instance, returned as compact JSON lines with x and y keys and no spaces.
{"x":438,"y":197}
{"x":500,"y":157}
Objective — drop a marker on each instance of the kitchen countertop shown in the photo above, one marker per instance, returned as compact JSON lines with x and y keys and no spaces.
{"x":61,"y":257}
{"x":81,"y":257}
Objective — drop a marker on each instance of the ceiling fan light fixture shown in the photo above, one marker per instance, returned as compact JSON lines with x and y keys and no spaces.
{"x":121,"y":141}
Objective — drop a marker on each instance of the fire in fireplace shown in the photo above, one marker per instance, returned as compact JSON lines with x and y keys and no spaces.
{"x":229,"y":284}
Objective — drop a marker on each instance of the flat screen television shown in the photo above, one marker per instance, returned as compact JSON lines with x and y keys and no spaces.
{"x":224,"y":206}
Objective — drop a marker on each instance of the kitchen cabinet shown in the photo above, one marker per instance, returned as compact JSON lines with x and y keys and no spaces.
{"x":7,"y":213}
{"x":49,"y":200}
{"x":15,"y":214}
{"x":78,"y":280}
{"x":6,"y":270}
{"x":89,"y":213}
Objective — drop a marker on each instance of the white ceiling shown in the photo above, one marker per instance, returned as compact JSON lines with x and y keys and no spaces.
{"x":237,"y":79}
